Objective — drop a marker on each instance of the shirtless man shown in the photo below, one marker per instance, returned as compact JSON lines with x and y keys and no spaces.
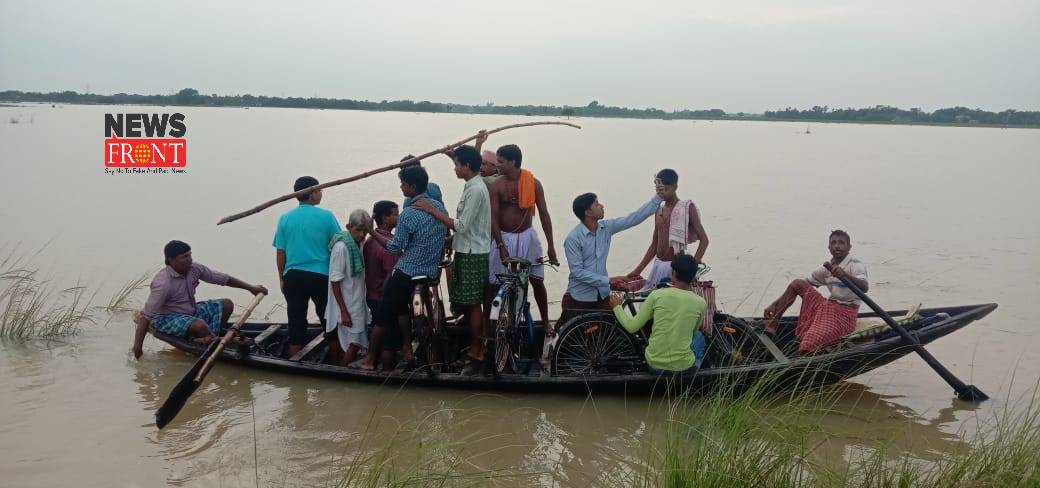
{"x":667,"y":240}
{"x":514,"y":198}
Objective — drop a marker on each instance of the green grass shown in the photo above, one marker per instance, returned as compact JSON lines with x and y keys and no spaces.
{"x":32,"y":307}
{"x":733,"y":437}
{"x":759,"y":439}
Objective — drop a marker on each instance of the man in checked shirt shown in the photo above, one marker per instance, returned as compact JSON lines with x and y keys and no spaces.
{"x":420,"y":243}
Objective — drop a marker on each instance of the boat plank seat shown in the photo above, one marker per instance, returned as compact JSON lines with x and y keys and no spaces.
{"x":771,"y":347}
{"x":261,"y":337}
{"x":317,"y":341}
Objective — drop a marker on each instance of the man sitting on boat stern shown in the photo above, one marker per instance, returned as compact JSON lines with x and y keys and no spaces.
{"x":677,"y":313}
{"x":823,"y":321}
{"x":171,"y":307}
{"x":471,"y":244}
{"x":420,"y":242}
{"x":587,"y":247}
{"x":302,"y":258}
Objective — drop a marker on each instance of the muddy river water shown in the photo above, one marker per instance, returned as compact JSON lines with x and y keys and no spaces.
{"x":941,"y":216}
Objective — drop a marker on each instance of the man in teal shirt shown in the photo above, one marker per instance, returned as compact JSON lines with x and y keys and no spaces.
{"x":677,"y":313}
{"x":302,"y":256}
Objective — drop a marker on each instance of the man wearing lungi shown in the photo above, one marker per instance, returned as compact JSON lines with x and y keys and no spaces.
{"x":171,"y":307}
{"x":823,"y":321}
{"x":471,"y":243}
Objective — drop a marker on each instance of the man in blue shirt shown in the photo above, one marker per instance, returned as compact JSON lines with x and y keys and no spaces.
{"x":587,"y":247}
{"x":420,"y":242}
{"x":302,"y":256}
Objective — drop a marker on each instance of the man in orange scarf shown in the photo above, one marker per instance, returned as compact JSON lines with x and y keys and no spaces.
{"x":515,"y":197}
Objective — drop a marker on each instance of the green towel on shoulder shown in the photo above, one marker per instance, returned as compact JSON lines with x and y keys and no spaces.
{"x":357,"y":263}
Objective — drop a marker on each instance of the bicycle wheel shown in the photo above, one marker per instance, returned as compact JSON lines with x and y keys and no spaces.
{"x":592,"y":344}
{"x":504,"y":358}
{"x":433,"y":337}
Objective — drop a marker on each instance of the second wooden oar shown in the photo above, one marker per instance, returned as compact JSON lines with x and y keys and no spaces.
{"x":410,"y":161}
{"x":968,"y":393}
{"x":191,"y":381}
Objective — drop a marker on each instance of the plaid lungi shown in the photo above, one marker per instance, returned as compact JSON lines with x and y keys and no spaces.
{"x":822,"y":322}
{"x":468,"y":276}
{"x":176,"y":324}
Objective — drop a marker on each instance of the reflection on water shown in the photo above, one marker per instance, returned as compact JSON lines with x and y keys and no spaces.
{"x":310,"y":430}
{"x":942,"y":216}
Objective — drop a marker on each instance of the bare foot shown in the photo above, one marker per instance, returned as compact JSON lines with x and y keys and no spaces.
{"x":363,"y":364}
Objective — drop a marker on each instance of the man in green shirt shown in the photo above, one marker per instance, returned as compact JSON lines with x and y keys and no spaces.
{"x":471,"y":243}
{"x":676,"y":311}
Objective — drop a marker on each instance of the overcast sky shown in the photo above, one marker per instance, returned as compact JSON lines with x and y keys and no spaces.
{"x":737,"y":56}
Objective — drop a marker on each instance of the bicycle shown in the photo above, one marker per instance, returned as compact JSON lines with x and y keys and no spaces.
{"x":427,"y":323}
{"x":594,"y":343}
{"x":514,"y":333}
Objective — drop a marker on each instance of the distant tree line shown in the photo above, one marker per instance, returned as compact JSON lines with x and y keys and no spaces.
{"x":879,"y":113}
{"x":885,"y":113}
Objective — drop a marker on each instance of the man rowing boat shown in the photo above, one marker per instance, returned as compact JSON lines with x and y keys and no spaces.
{"x":171,"y":307}
{"x":823,"y":321}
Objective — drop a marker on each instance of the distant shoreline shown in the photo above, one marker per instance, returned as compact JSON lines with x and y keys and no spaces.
{"x":949,"y":117}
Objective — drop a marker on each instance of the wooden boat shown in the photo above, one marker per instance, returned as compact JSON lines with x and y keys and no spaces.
{"x":744,"y":361}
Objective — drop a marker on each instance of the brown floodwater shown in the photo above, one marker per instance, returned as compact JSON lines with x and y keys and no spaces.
{"x":942,"y":216}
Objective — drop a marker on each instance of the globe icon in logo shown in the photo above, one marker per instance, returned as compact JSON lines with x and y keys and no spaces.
{"x":142,"y":154}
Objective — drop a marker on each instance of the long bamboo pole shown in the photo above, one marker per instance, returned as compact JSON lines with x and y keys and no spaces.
{"x":407,"y":162}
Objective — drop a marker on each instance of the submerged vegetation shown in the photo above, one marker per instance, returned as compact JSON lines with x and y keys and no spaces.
{"x":876,"y":114}
{"x":758,"y":439}
{"x":735,"y":437}
{"x":32,"y":307}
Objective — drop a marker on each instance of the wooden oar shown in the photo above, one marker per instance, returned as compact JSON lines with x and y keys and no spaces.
{"x":191,"y":381}
{"x":968,"y":393}
{"x":407,"y":162}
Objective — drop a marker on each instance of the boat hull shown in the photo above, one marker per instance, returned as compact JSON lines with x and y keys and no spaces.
{"x":799,"y":372}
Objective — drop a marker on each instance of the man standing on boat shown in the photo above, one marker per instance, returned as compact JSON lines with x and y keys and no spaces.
{"x":302,"y":258}
{"x":823,"y":321}
{"x":171,"y":307}
{"x":587,"y":247}
{"x":515,"y":197}
{"x":420,"y":242}
{"x":379,"y":263}
{"x":471,"y":242}
{"x":677,"y":224}
{"x":488,"y":161}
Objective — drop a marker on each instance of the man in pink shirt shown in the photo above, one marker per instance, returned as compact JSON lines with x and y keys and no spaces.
{"x":171,"y":307}
{"x":379,"y":263}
